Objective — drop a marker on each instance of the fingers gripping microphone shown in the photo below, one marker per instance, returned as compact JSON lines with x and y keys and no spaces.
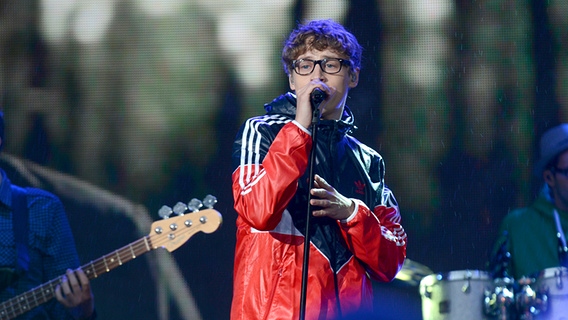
{"x":317,"y":96}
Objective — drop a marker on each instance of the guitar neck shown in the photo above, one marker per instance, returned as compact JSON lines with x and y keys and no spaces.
{"x":118,"y":257}
{"x":35,"y":297}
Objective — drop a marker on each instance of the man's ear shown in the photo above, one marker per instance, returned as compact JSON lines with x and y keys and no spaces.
{"x":354,"y":78}
{"x":291,"y":82}
{"x":548,"y":177}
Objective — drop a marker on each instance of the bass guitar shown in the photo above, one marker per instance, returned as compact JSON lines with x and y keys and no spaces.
{"x":169,"y":233}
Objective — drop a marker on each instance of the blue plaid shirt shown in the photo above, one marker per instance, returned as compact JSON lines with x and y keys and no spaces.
{"x":51,"y":247}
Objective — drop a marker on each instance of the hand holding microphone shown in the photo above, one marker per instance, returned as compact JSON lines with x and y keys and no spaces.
{"x":316,"y":98}
{"x":309,"y":104}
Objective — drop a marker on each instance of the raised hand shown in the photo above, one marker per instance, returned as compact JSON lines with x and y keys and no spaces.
{"x":329,"y":202}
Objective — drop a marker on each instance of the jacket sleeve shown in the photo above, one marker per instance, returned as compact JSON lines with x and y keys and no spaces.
{"x":499,"y":256}
{"x":377,"y":238}
{"x":266,"y":174}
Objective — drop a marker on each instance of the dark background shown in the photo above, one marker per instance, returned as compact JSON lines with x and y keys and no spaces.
{"x":120,"y":107}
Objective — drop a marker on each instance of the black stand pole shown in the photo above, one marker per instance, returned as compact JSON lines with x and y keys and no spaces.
{"x":315,"y":119}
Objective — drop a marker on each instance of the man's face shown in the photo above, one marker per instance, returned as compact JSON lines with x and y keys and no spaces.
{"x":339,"y":83}
{"x":558,"y":181}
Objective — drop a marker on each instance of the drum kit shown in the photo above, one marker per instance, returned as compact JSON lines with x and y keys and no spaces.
{"x":475,"y":295}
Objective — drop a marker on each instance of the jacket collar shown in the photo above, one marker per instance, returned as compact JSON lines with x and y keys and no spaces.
{"x":544,"y":204}
{"x":286,"y":105}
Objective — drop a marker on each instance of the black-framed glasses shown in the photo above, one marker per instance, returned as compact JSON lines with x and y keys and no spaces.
{"x":563,"y":172}
{"x":304,"y":67}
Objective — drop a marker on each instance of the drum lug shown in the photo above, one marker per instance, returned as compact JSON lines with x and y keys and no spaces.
{"x":466,"y":288}
{"x":558,"y":277}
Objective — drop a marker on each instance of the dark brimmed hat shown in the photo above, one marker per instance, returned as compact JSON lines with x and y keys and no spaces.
{"x":552,"y":143}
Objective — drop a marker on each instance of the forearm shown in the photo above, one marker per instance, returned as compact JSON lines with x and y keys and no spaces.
{"x":377,"y":239}
{"x":262,"y":191}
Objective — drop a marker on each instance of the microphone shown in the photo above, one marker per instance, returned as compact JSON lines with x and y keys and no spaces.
{"x":317,"y":97}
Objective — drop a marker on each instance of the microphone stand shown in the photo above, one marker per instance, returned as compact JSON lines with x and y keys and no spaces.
{"x":315,"y":118}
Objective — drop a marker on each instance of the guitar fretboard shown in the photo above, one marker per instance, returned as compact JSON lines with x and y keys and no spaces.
{"x":45,"y":292}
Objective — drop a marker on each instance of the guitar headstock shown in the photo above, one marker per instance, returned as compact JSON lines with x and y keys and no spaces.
{"x":172,"y":232}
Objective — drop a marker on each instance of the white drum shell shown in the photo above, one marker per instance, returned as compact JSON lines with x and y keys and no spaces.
{"x":455,"y":295}
{"x":554,"y":281}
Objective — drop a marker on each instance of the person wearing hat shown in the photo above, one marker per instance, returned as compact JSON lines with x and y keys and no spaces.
{"x":533,"y":238}
{"x":37,"y":246}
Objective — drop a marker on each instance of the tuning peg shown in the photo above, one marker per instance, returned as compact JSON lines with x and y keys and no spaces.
{"x":180,"y":208}
{"x":165,"y":212}
{"x":194,"y":205}
{"x":209,"y":201}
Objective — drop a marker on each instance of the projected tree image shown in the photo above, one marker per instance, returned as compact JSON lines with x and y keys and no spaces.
{"x":140,"y":101}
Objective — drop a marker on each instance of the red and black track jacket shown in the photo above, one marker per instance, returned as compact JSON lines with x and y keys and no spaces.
{"x":270,"y":189}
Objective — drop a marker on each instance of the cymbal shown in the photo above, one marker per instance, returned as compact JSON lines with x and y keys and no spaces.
{"x":412,"y":272}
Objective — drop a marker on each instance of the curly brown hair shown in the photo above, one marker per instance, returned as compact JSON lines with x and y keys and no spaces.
{"x":321,"y":35}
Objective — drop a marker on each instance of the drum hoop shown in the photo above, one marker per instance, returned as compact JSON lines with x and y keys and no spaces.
{"x":553,"y":272}
{"x":456,"y":275}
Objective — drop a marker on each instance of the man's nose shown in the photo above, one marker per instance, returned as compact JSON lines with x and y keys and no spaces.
{"x":318,"y":72}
